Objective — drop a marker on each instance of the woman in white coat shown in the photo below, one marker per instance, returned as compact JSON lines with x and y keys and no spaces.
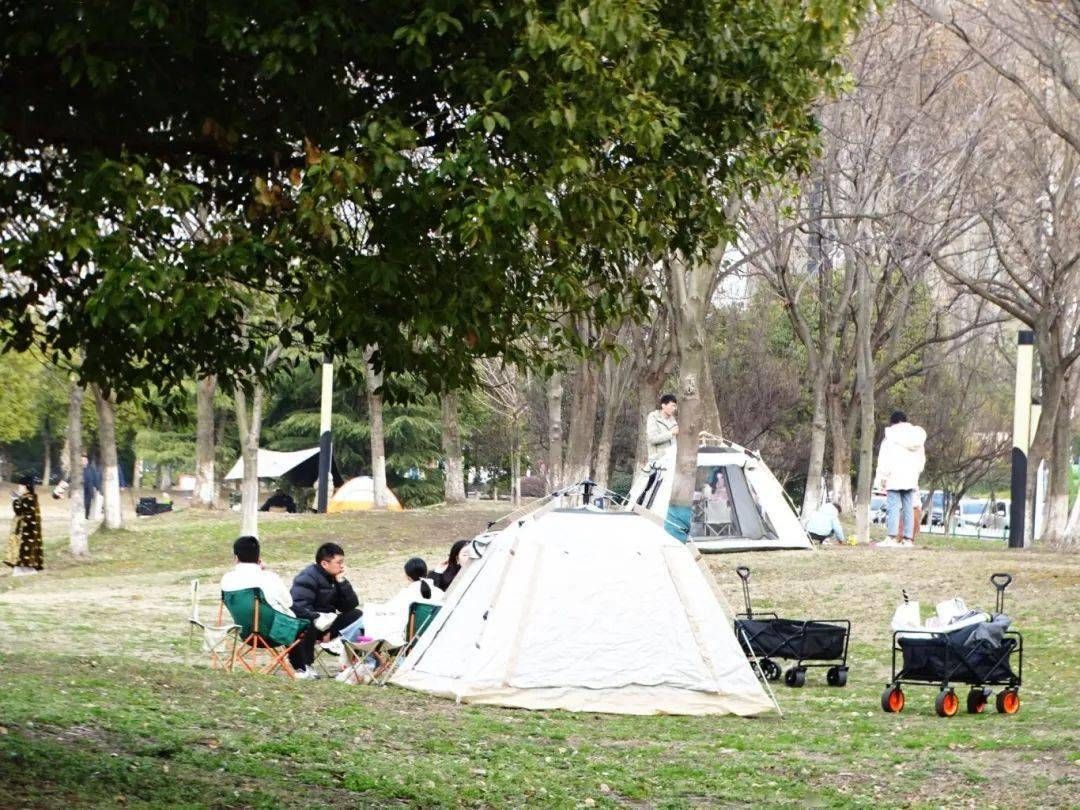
{"x":900,"y":461}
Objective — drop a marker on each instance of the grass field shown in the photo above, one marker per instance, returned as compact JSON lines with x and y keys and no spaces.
{"x":97,"y":707}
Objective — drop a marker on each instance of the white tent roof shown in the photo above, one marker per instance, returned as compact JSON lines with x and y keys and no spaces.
{"x":586,"y":611}
{"x":272,"y":463}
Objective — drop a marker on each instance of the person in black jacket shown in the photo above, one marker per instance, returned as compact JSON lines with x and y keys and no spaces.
{"x":322,"y":594}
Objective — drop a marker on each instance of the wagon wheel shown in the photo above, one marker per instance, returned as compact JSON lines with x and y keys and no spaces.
{"x":1008,"y":701}
{"x":795,"y":677}
{"x":892,"y":700}
{"x":976,"y":701}
{"x":770,"y":669}
{"x":947,"y":703}
{"x":836,"y":676}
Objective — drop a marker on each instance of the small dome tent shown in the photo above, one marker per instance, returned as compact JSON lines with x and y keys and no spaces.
{"x":358,"y":495}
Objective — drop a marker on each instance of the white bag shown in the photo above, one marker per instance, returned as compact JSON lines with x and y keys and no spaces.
{"x":951,"y":609}
{"x":907,"y":617}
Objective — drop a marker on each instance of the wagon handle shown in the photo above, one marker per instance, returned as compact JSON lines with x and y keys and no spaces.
{"x":744,"y":575}
{"x":1001,"y":582}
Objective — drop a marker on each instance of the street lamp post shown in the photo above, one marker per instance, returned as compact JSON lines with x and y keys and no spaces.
{"x":1025,"y":351}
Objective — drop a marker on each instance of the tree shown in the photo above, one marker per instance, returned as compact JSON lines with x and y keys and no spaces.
{"x":502,"y":160}
{"x":502,"y":389}
{"x":377,"y":435}
{"x":78,"y":541}
{"x":1024,"y":246}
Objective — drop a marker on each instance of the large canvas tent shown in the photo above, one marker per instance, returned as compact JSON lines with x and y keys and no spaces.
{"x":586,"y":611}
{"x":300,"y":467}
{"x":738,"y":503}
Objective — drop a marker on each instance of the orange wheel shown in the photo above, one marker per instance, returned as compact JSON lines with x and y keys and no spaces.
{"x":892,"y":700}
{"x":1008,"y":701}
{"x":947,"y":703}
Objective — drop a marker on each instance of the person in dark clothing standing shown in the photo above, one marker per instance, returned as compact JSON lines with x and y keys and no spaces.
{"x":322,"y":594}
{"x":91,"y":482}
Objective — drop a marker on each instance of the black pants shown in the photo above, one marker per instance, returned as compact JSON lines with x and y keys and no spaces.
{"x":303,"y":654}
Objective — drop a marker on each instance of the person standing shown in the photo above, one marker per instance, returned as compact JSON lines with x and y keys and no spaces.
{"x":900,"y":462}
{"x":25,"y":553}
{"x":661,"y":429}
{"x":91,"y":483}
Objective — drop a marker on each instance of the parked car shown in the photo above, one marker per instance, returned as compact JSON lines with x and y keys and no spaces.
{"x":877,"y":507}
{"x":934,"y":513}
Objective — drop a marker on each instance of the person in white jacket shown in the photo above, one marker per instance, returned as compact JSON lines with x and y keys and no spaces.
{"x":900,"y":462}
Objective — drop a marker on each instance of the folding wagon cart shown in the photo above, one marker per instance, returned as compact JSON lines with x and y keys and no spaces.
{"x":980,"y":655}
{"x":807,"y":642}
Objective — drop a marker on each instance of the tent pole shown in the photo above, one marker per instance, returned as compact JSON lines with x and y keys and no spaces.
{"x":326,"y":446}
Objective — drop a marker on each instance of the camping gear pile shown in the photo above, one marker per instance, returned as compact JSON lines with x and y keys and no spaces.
{"x":957,"y":646}
{"x":807,"y":642}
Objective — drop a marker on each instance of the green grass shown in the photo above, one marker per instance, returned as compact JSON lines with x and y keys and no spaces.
{"x":98,"y":709}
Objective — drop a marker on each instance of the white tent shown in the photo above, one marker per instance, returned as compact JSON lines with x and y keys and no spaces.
{"x":301,"y":467}
{"x":738,"y":503}
{"x":586,"y":611}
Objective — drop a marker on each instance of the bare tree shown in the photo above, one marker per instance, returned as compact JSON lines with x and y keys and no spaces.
{"x":503,"y":387}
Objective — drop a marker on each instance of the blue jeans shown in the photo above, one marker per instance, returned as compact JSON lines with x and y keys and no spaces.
{"x":900,"y":503}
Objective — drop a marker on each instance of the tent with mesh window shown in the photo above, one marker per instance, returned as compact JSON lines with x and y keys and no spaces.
{"x":738,"y":503}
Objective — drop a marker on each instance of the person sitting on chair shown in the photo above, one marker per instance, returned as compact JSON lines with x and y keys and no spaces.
{"x":279,"y":500}
{"x":825,"y":524}
{"x":250,"y":573}
{"x":322,"y":594}
{"x":387,"y":620}
{"x":442,"y":579}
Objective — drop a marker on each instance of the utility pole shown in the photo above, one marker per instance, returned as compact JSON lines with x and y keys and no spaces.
{"x":1025,"y":351}
{"x":326,"y":444}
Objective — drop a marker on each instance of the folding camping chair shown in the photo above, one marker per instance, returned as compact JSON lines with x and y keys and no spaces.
{"x":421,"y":614}
{"x":264,"y":632}
{"x":215,"y":637}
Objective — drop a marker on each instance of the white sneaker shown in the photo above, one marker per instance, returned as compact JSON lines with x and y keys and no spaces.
{"x":23,"y":571}
{"x":888,"y":542}
{"x":334,"y":647}
{"x":307,"y":674}
{"x":907,"y":543}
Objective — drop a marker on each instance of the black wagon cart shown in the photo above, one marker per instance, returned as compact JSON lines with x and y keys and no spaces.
{"x":766,"y":637}
{"x":982,"y":655}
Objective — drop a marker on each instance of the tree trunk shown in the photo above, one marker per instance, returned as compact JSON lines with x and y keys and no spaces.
{"x":579,"y":448}
{"x":110,"y":466}
{"x":1057,"y":495}
{"x":454,"y":483}
{"x":136,"y":474}
{"x":250,"y":428}
{"x":603,"y":446}
{"x":515,"y":466}
{"x":841,"y":452}
{"x":864,"y":374}
{"x":46,"y":473}
{"x":555,"y":431}
{"x":205,"y":484}
{"x":78,"y":542}
{"x":818,"y":424}
{"x":378,"y":440}
{"x":710,"y":413}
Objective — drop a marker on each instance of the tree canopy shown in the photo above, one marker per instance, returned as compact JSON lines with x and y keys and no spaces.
{"x":440,"y":179}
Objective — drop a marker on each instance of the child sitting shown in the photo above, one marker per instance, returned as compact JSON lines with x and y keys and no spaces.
{"x":388,"y":619}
